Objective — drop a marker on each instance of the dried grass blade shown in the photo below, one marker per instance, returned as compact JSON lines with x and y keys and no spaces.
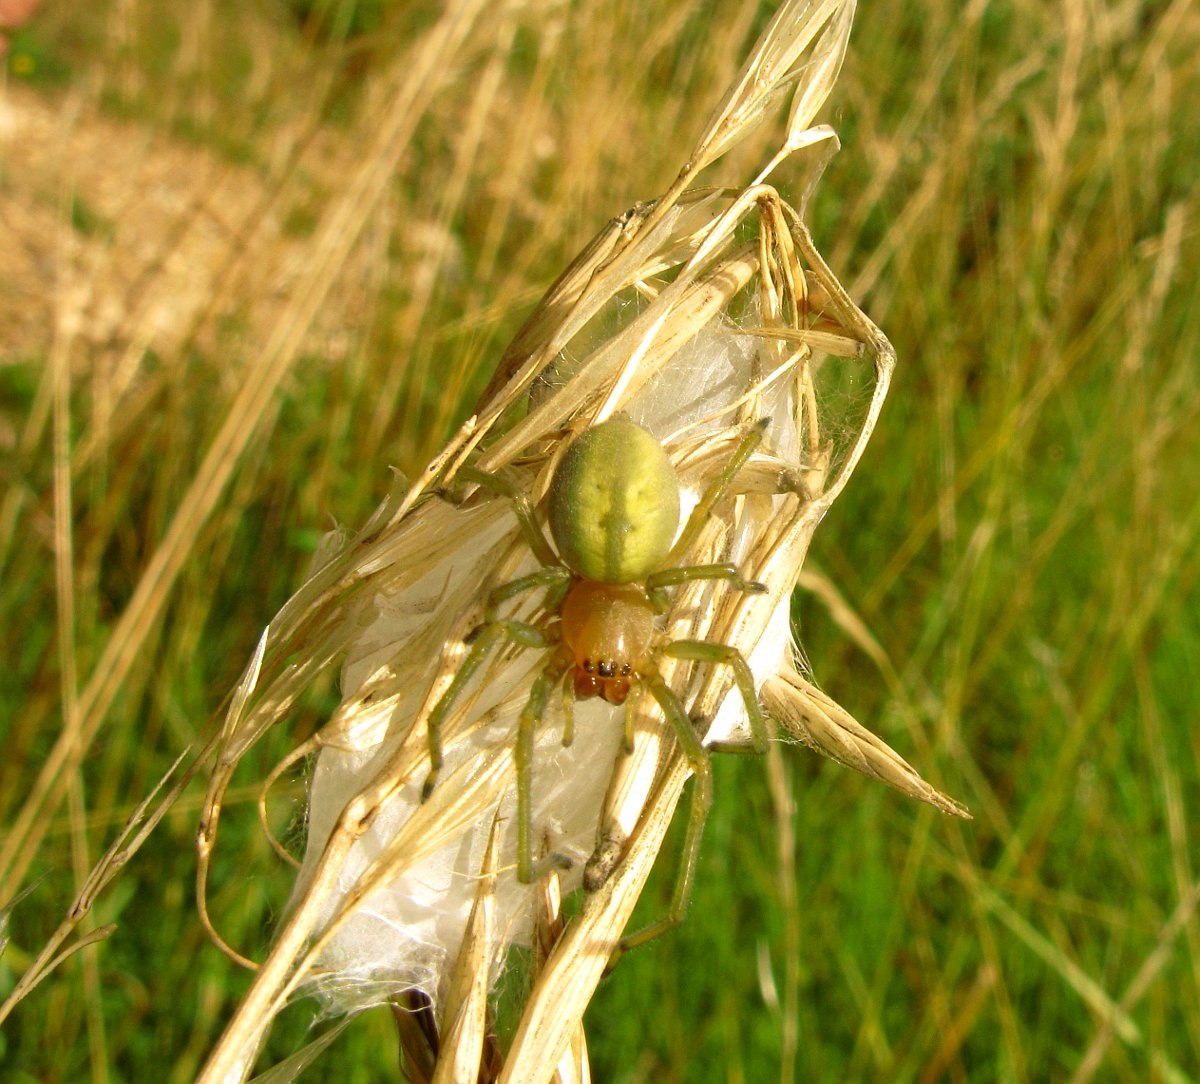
{"x":816,"y":720}
{"x":564,"y":988}
{"x":465,"y":1017}
{"x":779,"y":62}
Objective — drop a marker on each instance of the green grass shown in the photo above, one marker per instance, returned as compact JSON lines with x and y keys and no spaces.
{"x":1015,"y":204}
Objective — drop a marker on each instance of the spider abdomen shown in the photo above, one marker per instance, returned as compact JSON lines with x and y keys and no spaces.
{"x":614,"y":503}
{"x":608,"y":629}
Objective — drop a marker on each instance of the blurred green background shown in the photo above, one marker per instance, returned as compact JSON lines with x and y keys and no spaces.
{"x":1015,"y":204}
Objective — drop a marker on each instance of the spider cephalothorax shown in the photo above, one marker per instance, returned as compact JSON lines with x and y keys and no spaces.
{"x":607,"y":629}
{"x":613,"y":512}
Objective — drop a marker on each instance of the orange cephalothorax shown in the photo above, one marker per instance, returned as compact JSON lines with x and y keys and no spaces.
{"x":608,"y":628}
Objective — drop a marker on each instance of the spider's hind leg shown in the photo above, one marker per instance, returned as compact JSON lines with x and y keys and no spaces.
{"x":658,"y":582}
{"x":715,"y":491}
{"x":555,"y":578}
{"x":534,"y":535}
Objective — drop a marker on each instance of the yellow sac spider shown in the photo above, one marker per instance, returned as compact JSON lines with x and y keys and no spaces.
{"x":613,"y":514}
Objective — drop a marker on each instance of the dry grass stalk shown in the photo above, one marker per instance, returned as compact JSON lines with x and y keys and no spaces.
{"x":408,"y":589}
{"x":465,"y":1015}
{"x":412,"y":86}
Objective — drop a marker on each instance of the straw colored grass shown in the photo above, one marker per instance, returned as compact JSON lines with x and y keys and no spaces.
{"x":214,"y":344}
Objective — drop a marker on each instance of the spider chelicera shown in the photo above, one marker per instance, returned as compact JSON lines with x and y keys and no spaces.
{"x":614,"y":515}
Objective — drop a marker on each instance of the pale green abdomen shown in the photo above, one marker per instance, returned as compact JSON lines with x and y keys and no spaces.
{"x":614,"y":503}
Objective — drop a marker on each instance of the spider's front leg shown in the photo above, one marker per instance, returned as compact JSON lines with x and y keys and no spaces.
{"x":698,"y":760}
{"x":725,"y":655}
{"x":482,"y":639}
{"x":535,"y":707}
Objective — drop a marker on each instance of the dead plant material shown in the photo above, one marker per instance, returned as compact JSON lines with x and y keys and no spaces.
{"x":699,"y":315}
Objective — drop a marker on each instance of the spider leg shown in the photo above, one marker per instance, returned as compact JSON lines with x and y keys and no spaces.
{"x":531,"y":715}
{"x":631,"y":704}
{"x":568,"y":708}
{"x":704,"y":651}
{"x":483,"y":638}
{"x":715,"y":491}
{"x":698,"y":759}
{"x":701,"y":801}
{"x":657,"y":583}
{"x":555,"y":578}
{"x":504,"y":487}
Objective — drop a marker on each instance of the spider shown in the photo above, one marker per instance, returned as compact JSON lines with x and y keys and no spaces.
{"x":614,"y":516}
